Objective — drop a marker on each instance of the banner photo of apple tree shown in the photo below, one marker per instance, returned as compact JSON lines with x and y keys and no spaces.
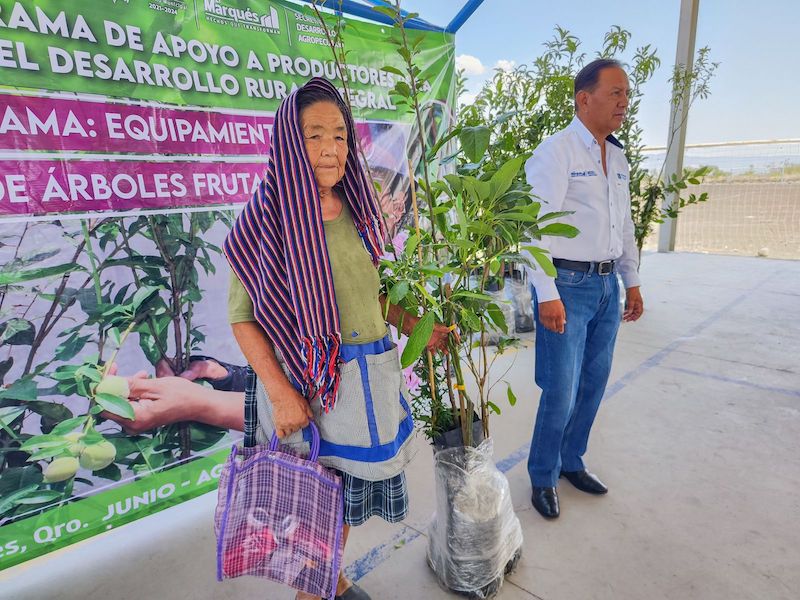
{"x":130,"y":133}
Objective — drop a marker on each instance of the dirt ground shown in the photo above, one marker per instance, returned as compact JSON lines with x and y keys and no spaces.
{"x":742,"y":218}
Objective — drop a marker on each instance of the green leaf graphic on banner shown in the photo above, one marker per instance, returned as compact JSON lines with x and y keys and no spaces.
{"x":115,"y":404}
{"x":11,"y":277}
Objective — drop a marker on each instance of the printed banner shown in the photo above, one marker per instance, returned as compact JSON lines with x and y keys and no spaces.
{"x":111,"y":508}
{"x":128,"y":131}
{"x":53,"y":124}
{"x":89,"y":185}
{"x":217,"y":53}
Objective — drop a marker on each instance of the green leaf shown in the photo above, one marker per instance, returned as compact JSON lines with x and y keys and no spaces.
{"x":123,"y":444}
{"x":92,"y":437}
{"x":493,"y":407}
{"x":87,"y":298}
{"x":39,"y":497}
{"x":455,"y":182}
{"x":67,"y":426}
{"x":469,"y":320}
{"x":505,"y":175}
{"x":481,"y":228}
{"x":16,"y":478}
{"x":11,"y":277}
{"x":405,"y":53}
{"x":474,"y":295}
{"x":136,"y":260}
{"x":542,"y":259}
{"x":34,"y":258}
{"x":22,"y":389}
{"x":387,"y":10}
{"x":475,"y":141}
{"x":115,"y":404}
{"x":442,"y":141}
{"x":518,"y":216}
{"x":70,"y":348}
{"x":425,"y":293}
{"x":10,"y":501}
{"x":512,"y":399}
{"x":51,"y":409}
{"x":111,"y":472}
{"x":497,"y":317}
{"x":8,"y":414}
{"x":559,"y":230}
{"x":398,"y":292}
{"x":43,"y":441}
{"x":142,"y":295}
{"x":17,"y":332}
{"x":205,"y":436}
{"x":432,"y":270}
{"x":64,"y":373}
{"x":555,"y":215}
{"x":5,"y":367}
{"x":90,"y":372}
{"x":401,"y":88}
{"x":418,"y":340}
{"x":391,"y":69}
{"x":49,"y":452}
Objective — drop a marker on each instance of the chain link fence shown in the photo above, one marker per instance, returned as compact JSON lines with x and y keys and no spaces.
{"x":754,"y":199}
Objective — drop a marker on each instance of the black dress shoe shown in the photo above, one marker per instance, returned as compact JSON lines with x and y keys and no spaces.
{"x":545,"y":500}
{"x":585,"y":482}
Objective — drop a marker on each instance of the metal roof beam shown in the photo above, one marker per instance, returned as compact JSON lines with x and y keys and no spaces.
{"x":465,"y":13}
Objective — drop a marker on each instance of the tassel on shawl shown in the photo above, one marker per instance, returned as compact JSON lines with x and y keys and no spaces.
{"x":321,"y":358}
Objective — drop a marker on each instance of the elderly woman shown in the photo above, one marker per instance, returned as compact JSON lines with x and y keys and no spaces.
{"x":307,"y":311}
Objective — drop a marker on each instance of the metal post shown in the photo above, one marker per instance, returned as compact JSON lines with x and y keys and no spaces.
{"x":687,"y":32}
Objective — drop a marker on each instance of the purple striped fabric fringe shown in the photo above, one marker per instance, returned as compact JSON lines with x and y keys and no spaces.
{"x":277,"y":249}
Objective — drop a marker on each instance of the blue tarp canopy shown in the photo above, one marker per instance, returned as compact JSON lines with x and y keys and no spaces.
{"x":364,"y":10}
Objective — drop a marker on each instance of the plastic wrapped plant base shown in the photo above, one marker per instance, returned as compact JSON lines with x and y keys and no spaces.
{"x":519,"y":292}
{"x":475,"y":538}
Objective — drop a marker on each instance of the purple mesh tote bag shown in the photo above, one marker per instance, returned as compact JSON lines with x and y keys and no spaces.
{"x":279,"y":517}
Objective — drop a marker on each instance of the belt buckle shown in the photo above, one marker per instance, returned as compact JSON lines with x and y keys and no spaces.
{"x":605,"y":268}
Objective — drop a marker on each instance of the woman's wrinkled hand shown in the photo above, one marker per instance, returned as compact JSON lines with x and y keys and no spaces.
{"x":440,"y":337}
{"x":290,"y":411}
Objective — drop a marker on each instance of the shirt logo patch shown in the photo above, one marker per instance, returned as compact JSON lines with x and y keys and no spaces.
{"x":583,"y":174}
{"x":622,"y":176}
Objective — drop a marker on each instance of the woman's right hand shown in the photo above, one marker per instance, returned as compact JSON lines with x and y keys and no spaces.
{"x":290,"y":411}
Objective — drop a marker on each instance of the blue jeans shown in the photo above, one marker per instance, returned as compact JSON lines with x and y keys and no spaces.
{"x":572,"y":369}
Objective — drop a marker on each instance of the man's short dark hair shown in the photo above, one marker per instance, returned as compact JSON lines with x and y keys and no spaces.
{"x":588,"y":76}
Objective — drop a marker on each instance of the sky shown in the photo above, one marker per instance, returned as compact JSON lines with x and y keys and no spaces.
{"x":753,"y":94}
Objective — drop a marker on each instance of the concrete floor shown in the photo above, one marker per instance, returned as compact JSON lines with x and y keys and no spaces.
{"x":698,"y":440}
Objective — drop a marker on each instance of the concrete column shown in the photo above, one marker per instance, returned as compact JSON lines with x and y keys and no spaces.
{"x":678,"y":118}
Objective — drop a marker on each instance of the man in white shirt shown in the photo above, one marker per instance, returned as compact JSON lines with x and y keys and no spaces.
{"x":581,"y":169}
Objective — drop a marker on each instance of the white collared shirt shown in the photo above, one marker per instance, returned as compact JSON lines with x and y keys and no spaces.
{"x":566,"y":174}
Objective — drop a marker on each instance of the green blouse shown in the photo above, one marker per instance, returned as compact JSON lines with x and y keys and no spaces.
{"x":355,"y":282}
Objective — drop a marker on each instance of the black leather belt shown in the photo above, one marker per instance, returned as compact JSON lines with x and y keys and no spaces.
{"x":601,"y":268}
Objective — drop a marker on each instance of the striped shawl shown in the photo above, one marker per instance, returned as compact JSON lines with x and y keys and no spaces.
{"x":277,"y":249}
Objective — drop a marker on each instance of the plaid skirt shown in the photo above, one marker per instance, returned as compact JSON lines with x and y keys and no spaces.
{"x":387,"y":499}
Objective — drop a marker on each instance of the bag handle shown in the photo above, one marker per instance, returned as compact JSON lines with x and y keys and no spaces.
{"x":273,"y":443}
